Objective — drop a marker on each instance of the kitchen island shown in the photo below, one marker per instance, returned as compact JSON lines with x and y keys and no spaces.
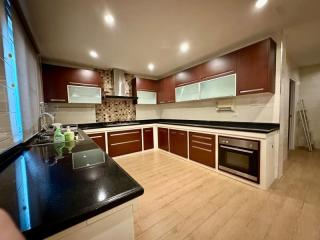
{"x":64,"y":191}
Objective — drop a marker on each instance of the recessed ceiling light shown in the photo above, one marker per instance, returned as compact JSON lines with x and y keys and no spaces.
{"x":151,"y":66}
{"x":93,"y":54}
{"x":109,"y":19}
{"x":184,"y":47}
{"x":261,"y":3}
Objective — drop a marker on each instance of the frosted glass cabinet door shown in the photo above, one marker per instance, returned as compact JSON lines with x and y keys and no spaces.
{"x":80,"y":94}
{"x":219,"y":87}
{"x":187,"y":93}
{"x":145,"y":97}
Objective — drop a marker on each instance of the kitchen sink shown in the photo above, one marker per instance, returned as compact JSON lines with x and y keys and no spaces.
{"x":46,"y":138}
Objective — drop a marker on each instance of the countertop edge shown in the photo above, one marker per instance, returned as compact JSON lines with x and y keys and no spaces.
{"x":45,"y":231}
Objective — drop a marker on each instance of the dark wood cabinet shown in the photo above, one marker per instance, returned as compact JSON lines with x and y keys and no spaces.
{"x":166,"y":90}
{"x":256,"y":68}
{"x":56,"y":78}
{"x":147,"y":138}
{"x":178,"y":142}
{"x":143,"y":84}
{"x":124,"y":142}
{"x":99,"y":139}
{"x":189,"y":76}
{"x":202,"y":148}
{"x":54,"y":84}
{"x":163,"y":139}
{"x":219,"y":66}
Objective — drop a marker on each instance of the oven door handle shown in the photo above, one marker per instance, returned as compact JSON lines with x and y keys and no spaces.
{"x":237,"y":149}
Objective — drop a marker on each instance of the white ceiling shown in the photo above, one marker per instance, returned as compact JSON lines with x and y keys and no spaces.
{"x":151,"y":30}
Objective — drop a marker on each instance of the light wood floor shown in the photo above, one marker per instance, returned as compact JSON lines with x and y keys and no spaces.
{"x":185,"y":201}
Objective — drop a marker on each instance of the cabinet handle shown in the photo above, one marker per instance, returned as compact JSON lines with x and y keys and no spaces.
{"x":94,"y":137}
{"x":197,"y":136}
{"x":147,"y":130}
{"x":114,"y":144}
{"x":208,"y":144}
{"x":183,"y":134}
{"x":84,"y":84}
{"x":161,"y":102}
{"x":202,"y":149}
{"x":252,"y":90}
{"x":57,"y":100}
{"x":171,"y":101}
{"x":125,"y":133}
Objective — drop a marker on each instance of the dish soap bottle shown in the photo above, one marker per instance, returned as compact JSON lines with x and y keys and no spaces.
{"x":69,"y":135}
{"x":58,"y":136}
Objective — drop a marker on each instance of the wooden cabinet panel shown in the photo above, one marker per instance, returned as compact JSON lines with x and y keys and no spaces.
{"x":83,"y":77}
{"x":202,"y":148}
{"x":146,"y":84}
{"x":163,"y":139}
{"x":219,"y":66}
{"x":148,"y":138}
{"x":54,"y":84}
{"x":166,"y":90}
{"x":124,"y":142}
{"x":56,"y":78}
{"x":256,"y":68}
{"x":99,"y":139}
{"x":179,"y":142}
{"x":188,"y":76}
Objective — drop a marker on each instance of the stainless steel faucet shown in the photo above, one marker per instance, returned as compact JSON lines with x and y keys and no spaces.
{"x":42,"y":126}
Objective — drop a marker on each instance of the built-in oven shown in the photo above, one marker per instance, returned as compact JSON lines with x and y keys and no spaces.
{"x":240,"y":157}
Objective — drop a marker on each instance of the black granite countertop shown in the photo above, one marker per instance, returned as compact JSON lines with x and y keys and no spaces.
{"x":47,"y":189}
{"x":234,"y":126}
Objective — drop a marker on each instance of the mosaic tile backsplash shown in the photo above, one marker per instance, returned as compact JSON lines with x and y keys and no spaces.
{"x":112,"y":110}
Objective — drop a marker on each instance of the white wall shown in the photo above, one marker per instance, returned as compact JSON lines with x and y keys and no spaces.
{"x":309,"y":92}
{"x":69,"y":113}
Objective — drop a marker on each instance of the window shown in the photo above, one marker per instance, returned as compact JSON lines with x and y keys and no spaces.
{"x":11,"y":131}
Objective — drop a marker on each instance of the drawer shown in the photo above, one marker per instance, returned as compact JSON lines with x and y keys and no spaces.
{"x":122,"y":148}
{"x":202,"y":137}
{"x":124,"y":136}
{"x":202,"y":148}
{"x":99,"y":139}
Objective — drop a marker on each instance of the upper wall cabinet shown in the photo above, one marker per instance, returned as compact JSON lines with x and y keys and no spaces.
{"x":256,"y":66}
{"x":146,"y":84}
{"x":188,"y":76}
{"x":220,"y":66}
{"x":166,"y":90}
{"x":56,"y":78}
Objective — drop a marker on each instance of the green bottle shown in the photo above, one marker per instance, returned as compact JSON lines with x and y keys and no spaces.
{"x":58,"y":136}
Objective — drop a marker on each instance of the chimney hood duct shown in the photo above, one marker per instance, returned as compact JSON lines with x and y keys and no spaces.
{"x":119,"y":83}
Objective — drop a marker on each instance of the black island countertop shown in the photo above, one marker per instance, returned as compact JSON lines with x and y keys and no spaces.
{"x":224,"y":125}
{"x":49,"y":188}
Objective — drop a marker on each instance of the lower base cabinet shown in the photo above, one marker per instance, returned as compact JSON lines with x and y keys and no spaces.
{"x":163,"y":138}
{"x":202,"y":148}
{"x":124,"y":142}
{"x":99,"y":139}
{"x":147,"y":138}
{"x":179,"y":142}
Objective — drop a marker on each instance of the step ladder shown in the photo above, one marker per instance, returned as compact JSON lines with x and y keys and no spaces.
{"x":305,"y":123}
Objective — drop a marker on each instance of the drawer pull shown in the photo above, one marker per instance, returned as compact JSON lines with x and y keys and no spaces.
{"x":125,"y":133}
{"x":84,"y":84}
{"x":198,"y":136}
{"x":202,"y":149}
{"x":57,"y":100}
{"x":114,"y":144}
{"x":208,"y":144}
{"x":171,"y":101}
{"x":252,"y":90}
{"x":161,"y":102}
{"x":148,"y":130}
{"x":94,"y":137}
{"x":183,"y":134}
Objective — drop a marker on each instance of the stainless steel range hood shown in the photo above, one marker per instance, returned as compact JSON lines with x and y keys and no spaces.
{"x":119,"y":83}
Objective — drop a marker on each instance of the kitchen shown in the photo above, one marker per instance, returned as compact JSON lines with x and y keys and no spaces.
{"x":181,"y":133}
